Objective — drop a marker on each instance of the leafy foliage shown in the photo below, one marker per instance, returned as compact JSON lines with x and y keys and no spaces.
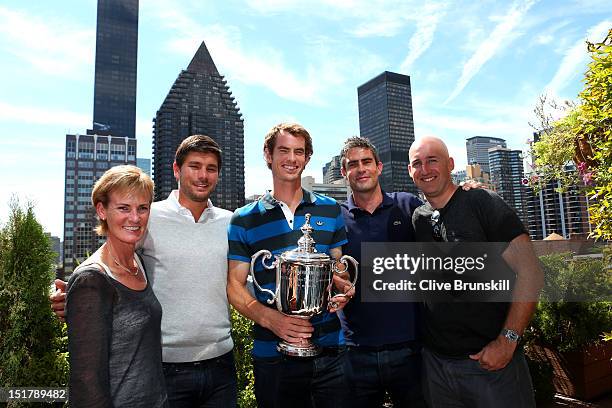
{"x":595,"y":129}
{"x":542,"y":379}
{"x":554,"y":150}
{"x":571,"y":324}
{"x":33,"y":344}
{"x":242,"y":329}
{"x":584,"y":136}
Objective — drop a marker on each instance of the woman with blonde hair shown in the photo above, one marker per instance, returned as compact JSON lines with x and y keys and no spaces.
{"x":114,"y":336}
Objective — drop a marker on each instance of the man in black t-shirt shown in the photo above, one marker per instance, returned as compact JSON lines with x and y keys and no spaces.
{"x":472,"y":356}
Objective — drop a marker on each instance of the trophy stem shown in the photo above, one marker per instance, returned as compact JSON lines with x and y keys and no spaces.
{"x":307,"y":350}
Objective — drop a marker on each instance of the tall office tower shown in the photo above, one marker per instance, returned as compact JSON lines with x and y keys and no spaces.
{"x":112,"y":139}
{"x":550,"y":211}
{"x":87,"y":158}
{"x":478,"y":150}
{"x":200,"y":102}
{"x":385,"y":117}
{"x":115,"y":77}
{"x":506,"y":167}
{"x":332,"y":170}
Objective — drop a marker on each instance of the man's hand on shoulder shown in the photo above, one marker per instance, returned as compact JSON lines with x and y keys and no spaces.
{"x":495,"y":355}
{"x":471,"y":184}
{"x":58,"y":299}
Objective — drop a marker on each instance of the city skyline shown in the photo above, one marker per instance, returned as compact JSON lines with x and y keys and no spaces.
{"x":200,"y":102}
{"x":476,"y":69}
{"x":386,"y":119}
{"x":111,"y":141}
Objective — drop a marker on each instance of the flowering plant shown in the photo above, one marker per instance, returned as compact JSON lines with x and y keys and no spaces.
{"x":584,"y":137}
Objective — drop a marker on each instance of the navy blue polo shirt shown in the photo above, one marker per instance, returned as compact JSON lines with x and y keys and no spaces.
{"x":263,"y":225}
{"x":378,"y":324}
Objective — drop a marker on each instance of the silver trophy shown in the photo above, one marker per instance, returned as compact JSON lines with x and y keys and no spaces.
{"x":303,"y":284}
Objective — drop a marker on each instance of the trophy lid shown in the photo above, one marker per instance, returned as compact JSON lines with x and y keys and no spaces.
{"x":306,"y":251}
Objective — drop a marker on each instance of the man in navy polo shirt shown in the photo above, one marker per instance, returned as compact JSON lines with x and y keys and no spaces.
{"x":273,"y":223}
{"x":383,"y":338}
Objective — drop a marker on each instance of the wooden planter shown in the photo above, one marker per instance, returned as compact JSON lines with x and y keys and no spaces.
{"x":583,"y":374}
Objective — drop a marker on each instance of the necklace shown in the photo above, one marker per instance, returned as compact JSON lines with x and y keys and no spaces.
{"x":119,"y":264}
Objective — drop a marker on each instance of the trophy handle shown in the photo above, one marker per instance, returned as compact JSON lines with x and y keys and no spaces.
{"x":344,"y":260}
{"x":266,"y":255}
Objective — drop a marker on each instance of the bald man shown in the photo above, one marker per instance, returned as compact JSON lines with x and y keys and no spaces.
{"x":472,"y":356}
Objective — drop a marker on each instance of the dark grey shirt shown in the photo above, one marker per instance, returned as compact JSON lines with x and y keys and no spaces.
{"x":478,"y":215}
{"x":114,"y":341}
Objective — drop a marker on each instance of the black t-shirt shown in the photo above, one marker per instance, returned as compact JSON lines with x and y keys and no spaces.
{"x":461,"y":328}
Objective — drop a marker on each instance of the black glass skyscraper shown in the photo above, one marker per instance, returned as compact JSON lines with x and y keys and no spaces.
{"x":385,"y":117}
{"x":112,"y":140}
{"x":116,"y":57}
{"x":506,"y":166}
{"x":200,"y":102}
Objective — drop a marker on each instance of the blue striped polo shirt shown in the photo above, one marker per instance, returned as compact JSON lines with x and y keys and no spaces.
{"x":262,"y":225}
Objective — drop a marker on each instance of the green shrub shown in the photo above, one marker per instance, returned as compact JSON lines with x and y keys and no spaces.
{"x":33,"y":344}
{"x":541,"y":377}
{"x":242,"y":333}
{"x":575,"y":307}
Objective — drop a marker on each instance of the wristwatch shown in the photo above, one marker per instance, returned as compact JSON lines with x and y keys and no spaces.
{"x":511,"y":335}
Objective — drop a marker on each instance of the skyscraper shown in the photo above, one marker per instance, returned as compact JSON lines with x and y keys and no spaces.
{"x":506,"y":167}
{"x":385,"y":117}
{"x":332,"y":170}
{"x":200,"y":102}
{"x":550,"y":211}
{"x":116,"y":58}
{"x":477,"y":148}
{"x":112,"y":139}
{"x":553,"y":211}
{"x":87,"y":158}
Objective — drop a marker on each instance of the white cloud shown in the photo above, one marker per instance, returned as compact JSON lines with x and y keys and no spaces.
{"x":544,"y":39}
{"x":43,"y":116}
{"x":257,"y":179}
{"x":264,"y":65}
{"x":499,"y":37}
{"x":51,"y":46}
{"x":422,"y":39}
{"x":367,"y":18}
{"x":575,"y":57}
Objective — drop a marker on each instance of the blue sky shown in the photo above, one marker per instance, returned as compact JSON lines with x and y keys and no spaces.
{"x":477,"y":68}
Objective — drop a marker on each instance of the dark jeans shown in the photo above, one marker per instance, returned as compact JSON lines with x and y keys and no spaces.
{"x":206,"y":384}
{"x":396,"y":370}
{"x":296,"y":382}
{"x":464,"y":383}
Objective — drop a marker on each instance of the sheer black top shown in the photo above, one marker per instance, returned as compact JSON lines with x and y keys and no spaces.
{"x":114,"y":341}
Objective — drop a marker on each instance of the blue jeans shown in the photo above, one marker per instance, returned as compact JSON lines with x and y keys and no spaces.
{"x":296,"y":382}
{"x":206,"y":384}
{"x":464,"y":383}
{"x":396,"y":370}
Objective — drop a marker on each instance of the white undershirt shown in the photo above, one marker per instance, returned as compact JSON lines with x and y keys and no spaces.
{"x":289,"y":215}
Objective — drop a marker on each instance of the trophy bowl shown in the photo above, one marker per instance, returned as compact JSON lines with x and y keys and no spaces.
{"x":303,"y":284}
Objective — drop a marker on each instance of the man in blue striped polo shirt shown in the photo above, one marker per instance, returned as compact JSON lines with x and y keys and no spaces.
{"x":273,"y":223}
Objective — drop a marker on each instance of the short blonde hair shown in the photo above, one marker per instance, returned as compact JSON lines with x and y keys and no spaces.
{"x":127,"y":178}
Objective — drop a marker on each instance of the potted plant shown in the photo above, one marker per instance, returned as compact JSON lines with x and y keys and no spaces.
{"x":568,"y":327}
